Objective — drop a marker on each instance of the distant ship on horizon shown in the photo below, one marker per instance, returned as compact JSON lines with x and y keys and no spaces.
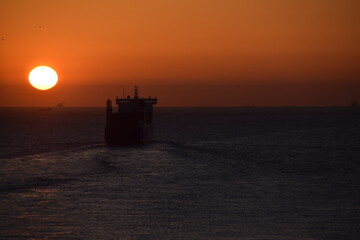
{"x":132,"y":123}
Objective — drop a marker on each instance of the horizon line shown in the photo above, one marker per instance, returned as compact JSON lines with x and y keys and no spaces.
{"x":195,"y":106}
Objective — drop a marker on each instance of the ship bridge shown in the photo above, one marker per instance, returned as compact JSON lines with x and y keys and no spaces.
{"x":135,"y":103}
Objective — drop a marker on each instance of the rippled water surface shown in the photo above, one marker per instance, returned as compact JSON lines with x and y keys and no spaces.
{"x":211,"y":173}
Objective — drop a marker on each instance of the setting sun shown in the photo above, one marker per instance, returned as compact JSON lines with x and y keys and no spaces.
{"x":43,"y":78}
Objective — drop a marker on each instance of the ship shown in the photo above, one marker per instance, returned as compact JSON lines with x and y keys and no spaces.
{"x":132,"y":123}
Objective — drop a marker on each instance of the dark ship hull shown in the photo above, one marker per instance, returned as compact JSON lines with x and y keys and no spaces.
{"x":127,"y":129}
{"x":132,"y":124}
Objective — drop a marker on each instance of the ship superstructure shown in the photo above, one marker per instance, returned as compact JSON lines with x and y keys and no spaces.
{"x":132,"y":123}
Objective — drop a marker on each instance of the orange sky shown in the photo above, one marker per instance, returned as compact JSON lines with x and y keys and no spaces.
{"x":188,"y":52}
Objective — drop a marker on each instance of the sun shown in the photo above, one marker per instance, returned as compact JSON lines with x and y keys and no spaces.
{"x":43,"y":77}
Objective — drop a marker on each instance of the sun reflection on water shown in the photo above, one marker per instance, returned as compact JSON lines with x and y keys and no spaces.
{"x":41,"y":208}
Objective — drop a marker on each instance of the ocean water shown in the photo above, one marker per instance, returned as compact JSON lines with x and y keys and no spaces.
{"x":211,"y":173}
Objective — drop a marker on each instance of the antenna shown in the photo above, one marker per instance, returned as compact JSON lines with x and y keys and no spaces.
{"x":136,"y":91}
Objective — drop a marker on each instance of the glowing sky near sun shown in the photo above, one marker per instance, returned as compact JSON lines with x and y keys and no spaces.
{"x":188,"y":43}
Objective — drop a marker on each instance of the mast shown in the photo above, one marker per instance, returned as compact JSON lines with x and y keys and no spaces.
{"x":108,"y":109}
{"x":136,"y":91}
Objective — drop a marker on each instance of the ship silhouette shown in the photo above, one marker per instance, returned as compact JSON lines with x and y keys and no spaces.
{"x":132,"y":123}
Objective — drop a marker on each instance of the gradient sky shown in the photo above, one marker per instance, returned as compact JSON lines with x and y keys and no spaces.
{"x":187,"y":53}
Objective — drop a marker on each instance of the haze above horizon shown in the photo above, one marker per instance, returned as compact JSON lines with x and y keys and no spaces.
{"x":187,"y":53}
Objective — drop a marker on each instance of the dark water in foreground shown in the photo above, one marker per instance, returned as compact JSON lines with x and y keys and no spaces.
{"x":212,"y":173}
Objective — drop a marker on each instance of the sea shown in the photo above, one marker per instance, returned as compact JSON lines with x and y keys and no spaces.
{"x":264,"y":173}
